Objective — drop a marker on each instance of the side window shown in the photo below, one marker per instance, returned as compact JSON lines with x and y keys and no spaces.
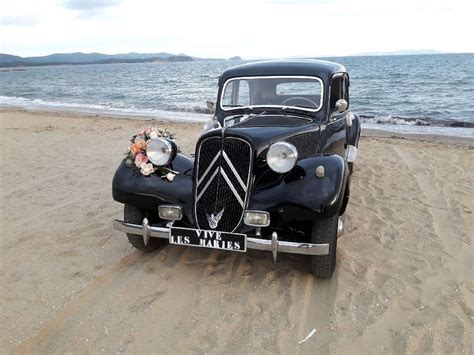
{"x":337,"y":90}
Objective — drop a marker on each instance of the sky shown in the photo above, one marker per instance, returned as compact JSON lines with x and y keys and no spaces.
{"x":247,"y":28}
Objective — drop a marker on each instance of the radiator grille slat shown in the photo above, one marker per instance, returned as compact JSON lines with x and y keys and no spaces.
{"x":220,"y":203}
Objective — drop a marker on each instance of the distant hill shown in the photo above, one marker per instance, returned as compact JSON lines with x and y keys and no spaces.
{"x":5,"y":58}
{"x":8,"y":60}
{"x":402,"y":52}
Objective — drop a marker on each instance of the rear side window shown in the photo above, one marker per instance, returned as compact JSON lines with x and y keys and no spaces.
{"x":339,"y":89}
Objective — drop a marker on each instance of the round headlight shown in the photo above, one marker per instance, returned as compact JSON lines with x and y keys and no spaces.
{"x":160,"y":151}
{"x":281,"y":157}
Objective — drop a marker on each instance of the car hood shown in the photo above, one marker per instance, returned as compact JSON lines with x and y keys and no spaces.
{"x":262,"y":137}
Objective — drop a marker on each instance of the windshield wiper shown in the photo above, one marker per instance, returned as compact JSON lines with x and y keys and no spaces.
{"x":296,"y":110}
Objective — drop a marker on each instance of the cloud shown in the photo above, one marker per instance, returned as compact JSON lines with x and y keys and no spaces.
{"x":279,"y":28}
{"x":301,"y":2}
{"x":18,"y":21}
{"x":89,"y":5}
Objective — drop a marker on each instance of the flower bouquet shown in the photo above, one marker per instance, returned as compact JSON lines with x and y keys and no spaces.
{"x":137,"y":156}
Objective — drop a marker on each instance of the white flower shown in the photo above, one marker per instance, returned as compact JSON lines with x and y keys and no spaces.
{"x":170,"y":176}
{"x":153,"y":134}
{"x":138,"y":140}
{"x":147,"y":169}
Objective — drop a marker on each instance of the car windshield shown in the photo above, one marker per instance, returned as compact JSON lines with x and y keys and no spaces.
{"x":301,"y":92}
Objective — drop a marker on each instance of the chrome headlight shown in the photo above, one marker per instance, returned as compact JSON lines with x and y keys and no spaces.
{"x":160,"y":151}
{"x":281,"y":157}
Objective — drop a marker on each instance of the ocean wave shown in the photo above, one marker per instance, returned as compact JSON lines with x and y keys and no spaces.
{"x":413,"y":121}
{"x":197,"y":115}
{"x":201,"y":114}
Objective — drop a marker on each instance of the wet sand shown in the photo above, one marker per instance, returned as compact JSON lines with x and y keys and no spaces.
{"x":403,"y":282}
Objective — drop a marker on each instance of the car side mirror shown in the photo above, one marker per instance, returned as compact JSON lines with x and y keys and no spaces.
{"x":211,"y":106}
{"x":341,"y":106}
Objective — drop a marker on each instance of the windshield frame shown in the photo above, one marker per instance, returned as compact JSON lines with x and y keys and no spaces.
{"x":311,"y":77}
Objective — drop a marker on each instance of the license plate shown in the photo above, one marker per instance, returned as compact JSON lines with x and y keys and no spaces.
{"x":208,"y":239}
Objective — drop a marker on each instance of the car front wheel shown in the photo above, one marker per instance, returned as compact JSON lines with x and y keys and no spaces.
{"x":135,"y":215}
{"x":324,"y":231}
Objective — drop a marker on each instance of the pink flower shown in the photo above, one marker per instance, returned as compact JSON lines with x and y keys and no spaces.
{"x":147,"y":169}
{"x":141,"y":159}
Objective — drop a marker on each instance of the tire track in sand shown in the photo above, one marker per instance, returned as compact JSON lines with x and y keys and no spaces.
{"x":62,"y":324}
{"x":456,"y":255}
{"x":442,"y":222}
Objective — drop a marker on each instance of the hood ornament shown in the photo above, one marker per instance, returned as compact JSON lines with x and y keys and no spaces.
{"x":213,"y":220}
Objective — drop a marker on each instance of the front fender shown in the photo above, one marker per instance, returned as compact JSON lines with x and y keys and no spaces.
{"x":302,"y":190}
{"x":131,"y":187}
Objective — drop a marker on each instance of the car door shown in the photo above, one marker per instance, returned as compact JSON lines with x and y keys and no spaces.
{"x":335,"y":129}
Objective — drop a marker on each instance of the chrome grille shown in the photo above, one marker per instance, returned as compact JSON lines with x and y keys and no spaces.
{"x":223,"y":168}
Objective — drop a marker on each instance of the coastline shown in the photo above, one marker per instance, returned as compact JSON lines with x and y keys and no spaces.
{"x":386,"y":131}
{"x":402,"y":283}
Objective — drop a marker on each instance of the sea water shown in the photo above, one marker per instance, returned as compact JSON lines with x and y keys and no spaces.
{"x":411,"y":93}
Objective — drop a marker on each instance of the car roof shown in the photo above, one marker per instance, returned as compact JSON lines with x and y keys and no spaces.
{"x":321,"y":68}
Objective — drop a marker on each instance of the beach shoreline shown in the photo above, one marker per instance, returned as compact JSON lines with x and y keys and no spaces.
{"x":380,"y":131}
{"x":402,"y":284}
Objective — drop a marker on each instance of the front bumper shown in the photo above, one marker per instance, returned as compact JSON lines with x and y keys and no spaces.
{"x":274,"y":245}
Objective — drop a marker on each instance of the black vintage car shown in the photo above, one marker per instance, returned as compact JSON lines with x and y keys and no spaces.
{"x":271,"y":171}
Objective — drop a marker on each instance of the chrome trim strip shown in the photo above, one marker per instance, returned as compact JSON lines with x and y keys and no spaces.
{"x":209,"y":168}
{"x":340,"y":188}
{"x":207,"y":185}
{"x":145,"y":231}
{"x":289,"y":247}
{"x":274,"y":77}
{"x":351,"y":153}
{"x":247,"y":195}
{"x":130,"y":228}
{"x":236,"y":194}
{"x":274,"y":246}
{"x":231,"y":166}
{"x":252,"y":243}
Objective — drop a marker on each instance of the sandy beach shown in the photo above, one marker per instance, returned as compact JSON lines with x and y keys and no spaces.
{"x":403,"y":282}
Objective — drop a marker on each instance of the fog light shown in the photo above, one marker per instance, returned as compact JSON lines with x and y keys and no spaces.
{"x":170,"y":213}
{"x":257,"y":218}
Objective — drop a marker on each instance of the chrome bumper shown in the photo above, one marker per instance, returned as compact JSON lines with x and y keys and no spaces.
{"x":273,"y":245}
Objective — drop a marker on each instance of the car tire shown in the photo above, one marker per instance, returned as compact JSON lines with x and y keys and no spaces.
{"x":133,"y":214}
{"x":324,"y":231}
